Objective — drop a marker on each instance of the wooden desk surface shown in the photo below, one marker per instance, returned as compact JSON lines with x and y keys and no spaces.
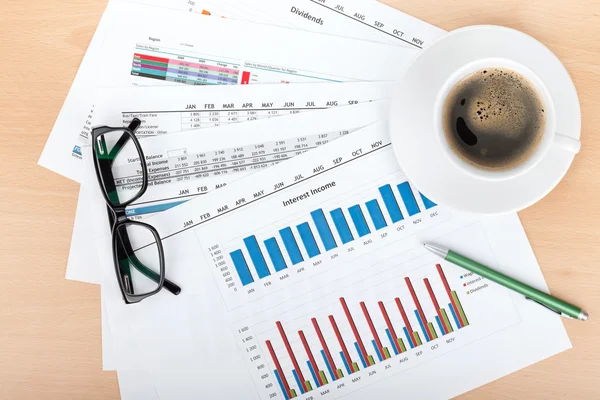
{"x":50,"y":338}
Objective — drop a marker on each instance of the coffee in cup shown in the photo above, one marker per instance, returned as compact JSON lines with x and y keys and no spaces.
{"x":494,"y":119}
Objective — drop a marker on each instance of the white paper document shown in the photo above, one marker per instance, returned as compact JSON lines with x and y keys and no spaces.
{"x":309,"y":279}
{"x":359,"y":19}
{"x":299,"y":130}
{"x":168,"y":47}
{"x":183,"y":108}
{"x":63,"y":146}
{"x":182,"y":166}
{"x":136,"y":385}
{"x":187,"y":165}
{"x":172,"y":109}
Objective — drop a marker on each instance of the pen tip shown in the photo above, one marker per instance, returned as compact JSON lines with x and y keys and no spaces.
{"x":440,"y":251}
{"x":583,"y":316}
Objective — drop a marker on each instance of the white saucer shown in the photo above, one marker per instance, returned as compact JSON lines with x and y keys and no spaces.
{"x":412,"y":121}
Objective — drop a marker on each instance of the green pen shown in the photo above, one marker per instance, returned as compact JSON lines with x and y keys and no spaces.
{"x":560,"y":307}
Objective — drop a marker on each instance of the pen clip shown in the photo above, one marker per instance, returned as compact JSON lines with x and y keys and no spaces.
{"x":549,"y":308}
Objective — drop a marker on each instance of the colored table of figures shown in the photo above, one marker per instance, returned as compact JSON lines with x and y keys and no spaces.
{"x":186,"y":69}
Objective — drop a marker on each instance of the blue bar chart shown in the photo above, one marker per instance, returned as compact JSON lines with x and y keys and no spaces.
{"x":325,"y":230}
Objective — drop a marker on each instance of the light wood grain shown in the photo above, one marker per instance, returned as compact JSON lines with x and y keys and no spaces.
{"x":50,"y":338}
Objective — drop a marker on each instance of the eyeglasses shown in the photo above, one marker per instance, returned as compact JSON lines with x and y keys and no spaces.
{"x":141,"y":273}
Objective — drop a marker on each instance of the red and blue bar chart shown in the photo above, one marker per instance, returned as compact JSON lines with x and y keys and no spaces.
{"x":296,"y":244}
{"x":317,"y":366}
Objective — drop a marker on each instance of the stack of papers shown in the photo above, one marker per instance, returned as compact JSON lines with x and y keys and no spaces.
{"x":284,"y":216}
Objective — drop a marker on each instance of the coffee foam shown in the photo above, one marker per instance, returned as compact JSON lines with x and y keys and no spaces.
{"x":502,"y":107}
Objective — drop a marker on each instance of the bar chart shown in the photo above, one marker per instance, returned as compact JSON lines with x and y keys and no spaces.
{"x":324,"y":231}
{"x":340,"y":295}
{"x":359,"y":334}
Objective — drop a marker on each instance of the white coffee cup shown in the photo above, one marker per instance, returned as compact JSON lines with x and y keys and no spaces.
{"x":549,"y":137}
{"x":419,"y":142}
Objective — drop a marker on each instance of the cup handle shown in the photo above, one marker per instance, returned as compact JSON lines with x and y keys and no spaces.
{"x":567,"y":143}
